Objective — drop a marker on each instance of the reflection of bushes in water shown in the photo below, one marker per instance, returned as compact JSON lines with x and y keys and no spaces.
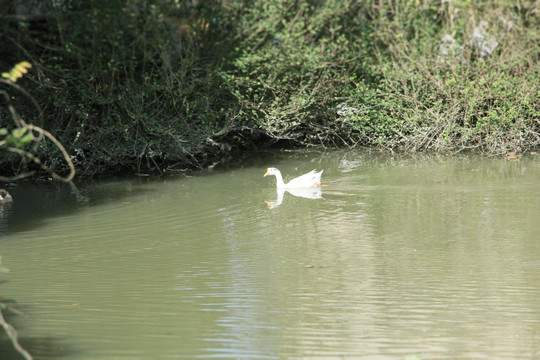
{"x":158,"y":86}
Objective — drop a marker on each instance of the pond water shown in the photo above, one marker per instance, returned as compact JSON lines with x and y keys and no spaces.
{"x":419,"y":257}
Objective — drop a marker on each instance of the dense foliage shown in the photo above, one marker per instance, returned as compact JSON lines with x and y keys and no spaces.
{"x":160,"y":85}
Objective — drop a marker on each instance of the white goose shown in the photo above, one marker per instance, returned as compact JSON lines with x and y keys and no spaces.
{"x":311,"y":179}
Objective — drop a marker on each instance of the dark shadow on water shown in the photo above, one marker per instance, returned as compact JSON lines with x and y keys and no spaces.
{"x":39,"y":348}
{"x":34,"y":203}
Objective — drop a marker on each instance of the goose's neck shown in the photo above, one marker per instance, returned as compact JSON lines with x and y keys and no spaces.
{"x":279,"y":180}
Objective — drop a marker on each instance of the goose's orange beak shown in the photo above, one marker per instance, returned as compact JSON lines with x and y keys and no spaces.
{"x":266,"y":173}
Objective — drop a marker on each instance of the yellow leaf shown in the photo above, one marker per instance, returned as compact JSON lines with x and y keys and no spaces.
{"x":21,"y":69}
{"x":17,"y":71}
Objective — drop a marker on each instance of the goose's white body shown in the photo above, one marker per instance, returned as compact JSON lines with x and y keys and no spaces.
{"x":311,"y":179}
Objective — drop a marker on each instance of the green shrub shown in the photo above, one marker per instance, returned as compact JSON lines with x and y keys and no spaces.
{"x":465,"y":97}
{"x":160,"y":84}
{"x":293,"y":64}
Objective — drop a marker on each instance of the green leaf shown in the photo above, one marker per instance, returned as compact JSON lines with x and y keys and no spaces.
{"x":18,"y":132}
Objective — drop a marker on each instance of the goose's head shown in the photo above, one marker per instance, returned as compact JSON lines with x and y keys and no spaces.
{"x":271,"y":171}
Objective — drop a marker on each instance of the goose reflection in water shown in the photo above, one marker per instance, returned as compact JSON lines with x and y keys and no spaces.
{"x":308,"y":193}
